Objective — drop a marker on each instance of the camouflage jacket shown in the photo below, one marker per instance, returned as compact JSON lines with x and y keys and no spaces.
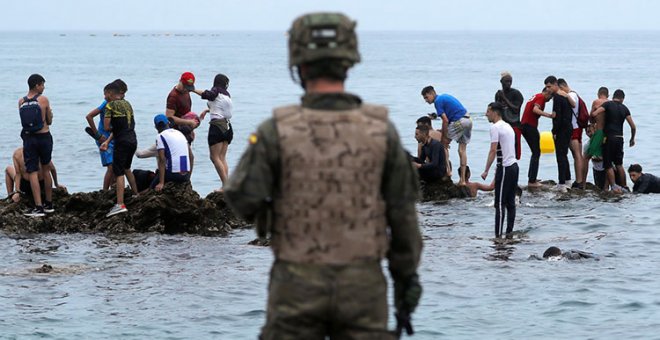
{"x":253,"y":184}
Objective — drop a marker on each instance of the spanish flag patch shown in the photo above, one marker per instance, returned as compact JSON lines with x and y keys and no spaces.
{"x":253,"y":138}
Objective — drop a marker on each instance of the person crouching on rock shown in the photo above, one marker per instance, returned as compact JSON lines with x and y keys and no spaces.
{"x":173,"y":155}
{"x":436,"y":166}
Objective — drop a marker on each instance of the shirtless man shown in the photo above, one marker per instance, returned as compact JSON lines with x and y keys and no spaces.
{"x":474,"y":187}
{"x":18,"y":182}
{"x":595,"y":149}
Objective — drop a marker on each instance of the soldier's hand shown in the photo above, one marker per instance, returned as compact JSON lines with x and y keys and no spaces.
{"x":632,"y":142}
{"x":407,"y":293}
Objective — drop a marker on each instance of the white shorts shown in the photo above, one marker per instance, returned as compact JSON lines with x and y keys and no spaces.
{"x":460,"y":130}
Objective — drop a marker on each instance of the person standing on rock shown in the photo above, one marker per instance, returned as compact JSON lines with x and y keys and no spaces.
{"x":616,"y":113}
{"x":220,"y":131}
{"x":502,"y":146}
{"x":179,"y":105}
{"x":456,"y":123}
{"x":331,"y":182}
{"x":120,"y":121}
{"x":173,"y":155}
{"x":36,"y":118}
{"x":512,"y":100}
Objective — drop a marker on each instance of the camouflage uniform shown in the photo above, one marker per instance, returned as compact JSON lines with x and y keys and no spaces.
{"x":338,"y":191}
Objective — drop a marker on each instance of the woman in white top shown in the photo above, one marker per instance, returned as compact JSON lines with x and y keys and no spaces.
{"x":220,"y":130}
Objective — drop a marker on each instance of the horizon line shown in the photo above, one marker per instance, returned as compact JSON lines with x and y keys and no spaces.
{"x":359,"y":30}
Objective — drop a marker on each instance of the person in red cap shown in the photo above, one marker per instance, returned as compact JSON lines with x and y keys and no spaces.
{"x":179,"y":104}
{"x":178,"y":101}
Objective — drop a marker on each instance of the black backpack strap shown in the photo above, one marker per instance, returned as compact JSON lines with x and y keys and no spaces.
{"x":34,"y":99}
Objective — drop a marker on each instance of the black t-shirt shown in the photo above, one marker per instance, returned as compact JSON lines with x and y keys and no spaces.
{"x":615,"y":115}
{"x":647,"y":184}
{"x":436,"y":154}
{"x":563,"y":121}
{"x":511,"y":115}
{"x":121,"y":120}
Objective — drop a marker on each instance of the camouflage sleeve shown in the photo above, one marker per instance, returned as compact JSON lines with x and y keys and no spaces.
{"x":400,"y":190}
{"x":251,"y":185}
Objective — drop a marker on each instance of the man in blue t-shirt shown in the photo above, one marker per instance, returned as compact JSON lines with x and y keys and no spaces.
{"x":456,"y":123}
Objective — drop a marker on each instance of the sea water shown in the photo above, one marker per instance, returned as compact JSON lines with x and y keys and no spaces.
{"x":158,"y":286}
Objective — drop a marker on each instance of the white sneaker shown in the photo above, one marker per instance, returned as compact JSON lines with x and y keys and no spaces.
{"x":117,"y":209}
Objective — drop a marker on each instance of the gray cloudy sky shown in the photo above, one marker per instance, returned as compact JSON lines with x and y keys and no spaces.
{"x":221,"y":15}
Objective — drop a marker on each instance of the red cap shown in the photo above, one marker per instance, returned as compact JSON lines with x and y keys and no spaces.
{"x":188,"y":81}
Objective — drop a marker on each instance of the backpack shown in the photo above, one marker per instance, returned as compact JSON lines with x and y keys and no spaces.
{"x":30,"y":112}
{"x":583,"y":114}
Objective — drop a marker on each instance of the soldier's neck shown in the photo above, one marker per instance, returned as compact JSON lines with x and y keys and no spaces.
{"x":324,"y":86}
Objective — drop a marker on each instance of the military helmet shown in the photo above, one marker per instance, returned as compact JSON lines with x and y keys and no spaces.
{"x":322,"y":35}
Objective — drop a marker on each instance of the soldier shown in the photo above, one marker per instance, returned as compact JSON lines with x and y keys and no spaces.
{"x":329,"y":180}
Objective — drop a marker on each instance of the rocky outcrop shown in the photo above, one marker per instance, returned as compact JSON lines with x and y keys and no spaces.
{"x":176,"y":209}
{"x":442,"y":190}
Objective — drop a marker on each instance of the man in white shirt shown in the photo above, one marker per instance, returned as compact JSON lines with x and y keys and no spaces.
{"x":173,"y":154}
{"x":502,"y":145}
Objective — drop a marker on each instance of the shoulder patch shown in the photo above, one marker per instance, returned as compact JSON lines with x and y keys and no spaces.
{"x":253,"y":139}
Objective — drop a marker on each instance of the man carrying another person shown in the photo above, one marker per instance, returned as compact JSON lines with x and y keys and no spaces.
{"x":594,"y":149}
{"x":615,"y":114}
{"x":456,"y":123}
{"x":435,"y":168}
{"x":575,"y":145}
{"x":173,"y":155}
{"x":530,"y":122}
{"x":562,"y":129}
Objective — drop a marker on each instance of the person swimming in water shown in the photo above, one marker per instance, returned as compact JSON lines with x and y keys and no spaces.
{"x":556,"y":253}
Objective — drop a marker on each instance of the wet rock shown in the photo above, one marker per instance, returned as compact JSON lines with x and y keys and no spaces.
{"x":176,"y":209}
{"x":442,"y":190}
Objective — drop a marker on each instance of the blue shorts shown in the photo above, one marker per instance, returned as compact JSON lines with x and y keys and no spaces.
{"x":106,"y":156}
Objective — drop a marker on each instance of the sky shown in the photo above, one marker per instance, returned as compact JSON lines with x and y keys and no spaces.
{"x":372,"y":15}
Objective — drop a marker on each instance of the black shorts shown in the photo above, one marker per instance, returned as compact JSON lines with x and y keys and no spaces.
{"x":37,"y":148}
{"x":27,"y":189}
{"x":612,"y":152}
{"x":122,"y":157}
{"x":216,"y":135}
